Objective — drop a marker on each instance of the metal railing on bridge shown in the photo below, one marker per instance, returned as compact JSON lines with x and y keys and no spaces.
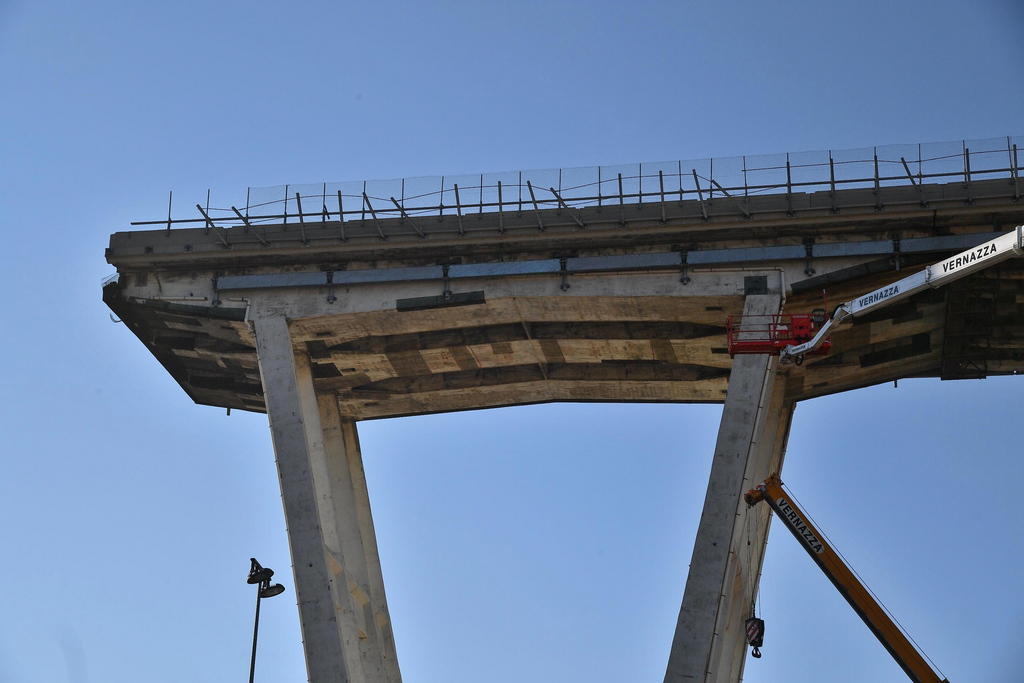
{"x":738,"y":178}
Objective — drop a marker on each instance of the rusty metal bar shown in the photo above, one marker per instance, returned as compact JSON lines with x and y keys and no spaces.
{"x":878,"y":183}
{"x":832,"y":182}
{"x":622,"y":214}
{"x":501,"y":210}
{"x":1014,"y":168}
{"x":789,"y":187}
{"x":736,"y":199}
{"x":661,"y":193}
{"x":216,"y":229}
{"x":910,"y":176}
{"x":967,"y":173}
{"x":458,"y":209}
{"x":302,"y":220}
{"x":412,"y":221}
{"x":373,"y":212}
{"x":341,"y":218}
{"x":700,"y":194}
{"x":572,"y":212}
{"x":248,"y":225}
{"x":536,"y":209}
{"x":285,"y":221}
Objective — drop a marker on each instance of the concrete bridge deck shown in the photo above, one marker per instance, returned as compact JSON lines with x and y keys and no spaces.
{"x":504,"y":336}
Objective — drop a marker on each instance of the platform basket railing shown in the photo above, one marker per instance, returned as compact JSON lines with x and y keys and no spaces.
{"x":768,"y":334}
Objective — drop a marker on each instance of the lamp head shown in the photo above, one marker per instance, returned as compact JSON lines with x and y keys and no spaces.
{"x":269,"y":590}
{"x":258,"y":573}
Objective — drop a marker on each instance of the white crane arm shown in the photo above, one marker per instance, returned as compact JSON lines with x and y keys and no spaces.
{"x":936,"y":275}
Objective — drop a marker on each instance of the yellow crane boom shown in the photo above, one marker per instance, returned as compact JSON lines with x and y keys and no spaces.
{"x":843,"y":578}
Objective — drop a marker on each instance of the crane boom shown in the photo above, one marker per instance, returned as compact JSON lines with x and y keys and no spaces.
{"x":843,"y":578}
{"x":936,"y":275}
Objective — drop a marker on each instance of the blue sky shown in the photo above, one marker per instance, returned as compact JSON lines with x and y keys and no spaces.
{"x":545,"y":543}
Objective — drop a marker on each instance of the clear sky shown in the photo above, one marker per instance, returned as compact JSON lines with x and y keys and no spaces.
{"x":544,"y":543}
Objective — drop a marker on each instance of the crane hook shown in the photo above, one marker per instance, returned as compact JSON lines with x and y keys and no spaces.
{"x":755,"y":635}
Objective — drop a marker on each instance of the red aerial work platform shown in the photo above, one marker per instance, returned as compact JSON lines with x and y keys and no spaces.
{"x":771,"y":333}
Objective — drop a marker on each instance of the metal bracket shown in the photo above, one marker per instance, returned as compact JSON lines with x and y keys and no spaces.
{"x":809,"y":256}
{"x":330,"y":287}
{"x":896,"y":254}
{"x":216,"y":294}
{"x":446,"y":292}
{"x":563,"y":271}
{"x":684,"y":275}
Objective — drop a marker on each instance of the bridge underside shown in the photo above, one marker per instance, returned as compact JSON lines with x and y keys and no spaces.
{"x":320,"y":333}
{"x":533,"y":349}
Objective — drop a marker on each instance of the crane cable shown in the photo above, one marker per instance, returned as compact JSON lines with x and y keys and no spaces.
{"x":750,"y":562}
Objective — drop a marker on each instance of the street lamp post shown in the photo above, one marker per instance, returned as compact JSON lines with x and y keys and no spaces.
{"x":260,"y":576}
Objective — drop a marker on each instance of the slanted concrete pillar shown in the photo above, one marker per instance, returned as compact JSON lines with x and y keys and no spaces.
{"x":749,"y":538}
{"x":709,"y":642}
{"x":346,"y":627}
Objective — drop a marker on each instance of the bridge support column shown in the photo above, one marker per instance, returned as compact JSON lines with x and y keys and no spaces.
{"x":346,"y":627}
{"x":709,"y":642}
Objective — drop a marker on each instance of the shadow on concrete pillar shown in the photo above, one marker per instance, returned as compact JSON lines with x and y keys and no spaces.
{"x":709,"y":642}
{"x":343,"y":611}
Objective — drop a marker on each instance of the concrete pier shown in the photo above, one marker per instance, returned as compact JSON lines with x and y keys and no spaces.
{"x":709,"y":637}
{"x":345,"y":623}
{"x":749,"y":538}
